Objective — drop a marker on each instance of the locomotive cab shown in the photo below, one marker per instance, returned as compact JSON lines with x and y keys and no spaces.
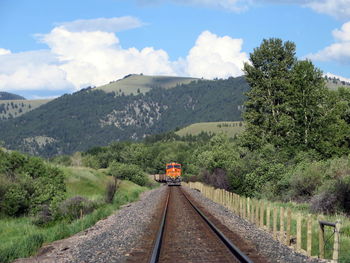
{"x":173,"y":173}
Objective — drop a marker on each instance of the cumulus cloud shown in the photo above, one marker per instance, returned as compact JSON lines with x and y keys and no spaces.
{"x":336,"y":8}
{"x":95,"y":58}
{"x":338,"y":51}
{"x":115,"y":24}
{"x":4,"y":51}
{"x":32,"y":70}
{"x":214,"y":56}
{"x":77,"y":59}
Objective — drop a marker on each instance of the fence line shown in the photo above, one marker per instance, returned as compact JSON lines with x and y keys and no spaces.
{"x":284,"y":226}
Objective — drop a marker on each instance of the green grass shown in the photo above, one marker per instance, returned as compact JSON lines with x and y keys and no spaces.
{"x":85,"y":182}
{"x":231,"y":128}
{"x":143,"y":83}
{"x":20,"y":107}
{"x":19,"y":237}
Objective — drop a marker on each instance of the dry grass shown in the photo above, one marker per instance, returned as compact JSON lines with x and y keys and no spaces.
{"x":231,"y":128}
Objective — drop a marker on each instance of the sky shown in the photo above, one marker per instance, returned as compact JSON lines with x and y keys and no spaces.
{"x":49,"y":48}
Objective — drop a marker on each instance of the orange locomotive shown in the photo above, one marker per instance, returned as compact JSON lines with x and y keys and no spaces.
{"x":173,"y":173}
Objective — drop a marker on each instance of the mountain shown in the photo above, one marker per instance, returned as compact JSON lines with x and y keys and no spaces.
{"x":139,"y":83}
{"x":91,"y":117}
{"x":10,"y":96}
{"x":12,"y":108}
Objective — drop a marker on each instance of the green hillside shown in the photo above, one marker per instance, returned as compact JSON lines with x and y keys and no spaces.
{"x":91,"y":117}
{"x":134,"y":84}
{"x":15,"y":108}
{"x":231,"y":128}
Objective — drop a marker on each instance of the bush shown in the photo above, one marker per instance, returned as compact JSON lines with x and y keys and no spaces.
{"x":27,"y":183}
{"x":305,"y":180}
{"x":44,"y":216}
{"x":111,"y":189}
{"x":74,"y":207}
{"x":62,"y":160}
{"x":129,"y":172}
{"x":15,"y":200}
{"x":218,"y":178}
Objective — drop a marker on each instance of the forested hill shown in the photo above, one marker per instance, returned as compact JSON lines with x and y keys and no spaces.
{"x":93,"y":117}
{"x":10,"y":96}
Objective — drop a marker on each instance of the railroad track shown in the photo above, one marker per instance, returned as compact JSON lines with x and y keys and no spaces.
{"x":186,"y":235}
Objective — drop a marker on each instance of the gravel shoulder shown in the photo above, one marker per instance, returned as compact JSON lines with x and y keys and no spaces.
{"x":263,"y":241}
{"x":109,"y":240}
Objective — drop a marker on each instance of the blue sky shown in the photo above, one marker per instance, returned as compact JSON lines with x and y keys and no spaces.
{"x":48,"y":48}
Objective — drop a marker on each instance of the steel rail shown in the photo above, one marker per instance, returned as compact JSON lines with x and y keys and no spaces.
{"x":158,"y":243}
{"x":234,"y":250}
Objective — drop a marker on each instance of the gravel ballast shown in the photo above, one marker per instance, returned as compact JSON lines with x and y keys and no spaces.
{"x":263,"y":241}
{"x":109,"y":240}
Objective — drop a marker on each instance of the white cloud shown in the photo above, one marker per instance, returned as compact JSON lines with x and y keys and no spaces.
{"x":32,"y":70}
{"x":343,"y":35}
{"x":336,"y":8}
{"x":79,"y":59}
{"x":4,"y":51}
{"x":214,"y":56}
{"x":115,"y":24}
{"x":338,"y":51}
{"x":95,"y":58}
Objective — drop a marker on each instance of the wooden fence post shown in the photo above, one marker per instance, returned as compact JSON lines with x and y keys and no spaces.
{"x":282,"y":225}
{"x":336,"y":246}
{"x":244,"y":207}
{"x":289,"y":219}
{"x":248,"y":208}
{"x":275,"y":223}
{"x":320,"y":238}
{"x":299,"y":220}
{"x":309,"y":236}
{"x":262,"y":213}
{"x":257,"y":213}
{"x":268,"y":217}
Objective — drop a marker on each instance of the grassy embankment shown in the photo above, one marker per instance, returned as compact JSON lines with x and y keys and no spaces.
{"x":19,"y":237}
{"x":230,"y":128}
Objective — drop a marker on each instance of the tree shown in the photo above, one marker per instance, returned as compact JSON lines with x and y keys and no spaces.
{"x":307,"y":101}
{"x":289,"y":105}
{"x":269,"y":76}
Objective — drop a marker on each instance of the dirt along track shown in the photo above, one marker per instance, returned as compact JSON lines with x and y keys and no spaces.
{"x":188,"y":238}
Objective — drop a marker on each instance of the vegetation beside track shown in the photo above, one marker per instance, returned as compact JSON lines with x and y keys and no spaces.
{"x":22,"y":236}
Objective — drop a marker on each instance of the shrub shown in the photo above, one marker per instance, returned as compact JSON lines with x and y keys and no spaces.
{"x":325,"y":202}
{"x":111,"y":189}
{"x":218,"y":178}
{"x":72,"y":208}
{"x":44,"y":216}
{"x":129,"y":172}
{"x":305,"y":180}
{"x":15,"y":200}
{"x":62,"y":160}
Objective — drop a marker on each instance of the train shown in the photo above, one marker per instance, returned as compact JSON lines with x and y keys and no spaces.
{"x":172,"y":174}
